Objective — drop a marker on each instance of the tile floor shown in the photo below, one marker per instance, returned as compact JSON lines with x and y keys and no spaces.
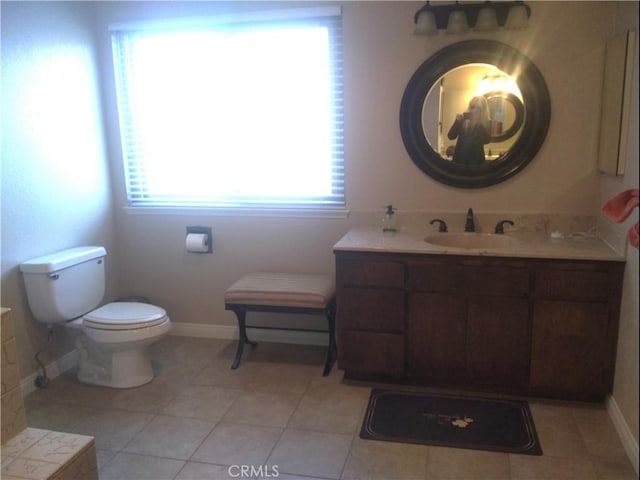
{"x":277,"y":417}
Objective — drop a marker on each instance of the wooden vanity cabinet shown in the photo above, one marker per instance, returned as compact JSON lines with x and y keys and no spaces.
{"x":371,"y":312}
{"x":523,"y":326}
{"x":467,"y":320}
{"x":576,"y":308}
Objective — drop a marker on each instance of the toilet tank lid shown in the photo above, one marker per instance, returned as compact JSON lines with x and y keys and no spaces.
{"x":64,"y":259}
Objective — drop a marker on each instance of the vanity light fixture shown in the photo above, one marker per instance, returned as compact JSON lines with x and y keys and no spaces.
{"x":498,"y":83}
{"x":518,"y":17}
{"x":426,"y":22}
{"x":487,"y":19}
{"x":481,"y":16}
{"x":457,"y":20}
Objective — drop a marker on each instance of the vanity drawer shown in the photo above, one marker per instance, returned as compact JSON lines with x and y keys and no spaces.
{"x":371,"y":273}
{"x":371,"y":309}
{"x":490,"y":280}
{"x":435,"y":277}
{"x":472,"y":279}
{"x":575,"y":284}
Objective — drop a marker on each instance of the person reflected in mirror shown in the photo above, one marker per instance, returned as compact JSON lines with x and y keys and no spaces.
{"x":473,"y":131}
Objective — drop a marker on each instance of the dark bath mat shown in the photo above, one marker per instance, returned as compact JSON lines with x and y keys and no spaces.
{"x":451,"y":421}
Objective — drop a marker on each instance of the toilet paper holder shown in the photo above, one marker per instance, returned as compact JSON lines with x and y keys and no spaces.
{"x":204,"y":231}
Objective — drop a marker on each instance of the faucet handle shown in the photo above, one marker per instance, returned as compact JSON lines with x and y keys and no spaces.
{"x":442,"y":227}
{"x":500,"y":226}
{"x":470,"y":225}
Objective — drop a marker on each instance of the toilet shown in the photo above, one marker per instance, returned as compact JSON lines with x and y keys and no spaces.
{"x":65,"y":288}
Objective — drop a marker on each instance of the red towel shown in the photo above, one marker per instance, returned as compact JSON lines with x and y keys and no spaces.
{"x":620,"y":207}
{"x":633,"y":235}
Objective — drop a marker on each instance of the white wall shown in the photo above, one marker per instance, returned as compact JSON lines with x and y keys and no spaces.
{"x":55,"y":180}
{"x":625,"y":392}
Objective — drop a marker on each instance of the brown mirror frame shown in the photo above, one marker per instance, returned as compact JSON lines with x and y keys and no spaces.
{"x":537,"y":113}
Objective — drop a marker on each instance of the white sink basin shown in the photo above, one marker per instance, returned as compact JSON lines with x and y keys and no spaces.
{"x":471,"y":240}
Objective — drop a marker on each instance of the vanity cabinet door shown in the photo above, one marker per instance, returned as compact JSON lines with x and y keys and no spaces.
{"x":371,"y":353}
{"x":468,"y":320}
{"x":569,"y":347}
{"x":436,"y":324}
{"x":497,"y":341}
{"x":371,"y":309}
{"x":482,"y":341}
{"x":576,"y":311}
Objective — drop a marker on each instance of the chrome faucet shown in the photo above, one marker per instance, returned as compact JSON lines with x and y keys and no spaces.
{"x":470,"y":226}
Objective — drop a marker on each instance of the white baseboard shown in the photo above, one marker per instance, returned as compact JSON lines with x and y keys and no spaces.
{"x":628,"y":442}
{"x":183,"y":329}
{"x":54,"y":369}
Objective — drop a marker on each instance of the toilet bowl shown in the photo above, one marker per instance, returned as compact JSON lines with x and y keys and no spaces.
{"x":66,"y":287}
{"x":114,"y":340}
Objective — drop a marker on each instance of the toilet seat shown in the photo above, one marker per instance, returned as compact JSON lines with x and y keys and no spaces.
{"x":124,"y":316}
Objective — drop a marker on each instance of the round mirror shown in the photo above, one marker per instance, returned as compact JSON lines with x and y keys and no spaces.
{"x":474,"y":114}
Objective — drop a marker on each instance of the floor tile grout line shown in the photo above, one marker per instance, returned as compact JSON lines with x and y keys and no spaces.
{"x":592,"y":414}
{"x":346,"y":458}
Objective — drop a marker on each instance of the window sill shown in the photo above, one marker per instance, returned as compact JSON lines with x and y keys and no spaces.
{"x":338,"y":212}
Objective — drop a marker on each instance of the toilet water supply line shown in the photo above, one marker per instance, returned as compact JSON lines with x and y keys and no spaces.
{"x":41,"y":380}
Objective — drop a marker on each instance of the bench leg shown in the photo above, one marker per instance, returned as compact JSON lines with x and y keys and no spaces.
{"x":332,"y":349}
{"x":242,"y":338}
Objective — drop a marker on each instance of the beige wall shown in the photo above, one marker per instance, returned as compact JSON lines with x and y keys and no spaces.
{"x":55,"y":179}
{"x":566,"y":40}
{"x":380,"y":55}
{"x":625,"y":391}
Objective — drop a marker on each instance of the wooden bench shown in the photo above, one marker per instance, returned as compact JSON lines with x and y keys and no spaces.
{"x":285,"y":293}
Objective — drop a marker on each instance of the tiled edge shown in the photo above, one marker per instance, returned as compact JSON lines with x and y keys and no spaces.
{"x":24,"y":468}
{"x":22,"y":441}
{"x":12,"y":413}
{"x":42,"y":454}
{"x":6,"y":327}
{"x":14,"y":419}
{"x":9,"y":365}
{"x":83,"y":467}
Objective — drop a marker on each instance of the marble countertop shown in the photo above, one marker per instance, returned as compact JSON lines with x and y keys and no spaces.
{"x":529,"y":245}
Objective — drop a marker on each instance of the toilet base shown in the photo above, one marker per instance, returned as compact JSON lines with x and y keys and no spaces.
{"x":120,"y":369}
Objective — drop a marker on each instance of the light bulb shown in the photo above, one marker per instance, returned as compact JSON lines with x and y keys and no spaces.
{"x":457,"y":22}
{"x":517,"y":18}
{"x":487,"y":19}
{"x":426,"y":24}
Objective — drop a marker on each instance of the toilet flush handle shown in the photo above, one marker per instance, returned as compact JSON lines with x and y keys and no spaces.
{"x":54,"y":276}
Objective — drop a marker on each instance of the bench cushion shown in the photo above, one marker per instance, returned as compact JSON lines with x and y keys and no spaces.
{"x":282,"y":289}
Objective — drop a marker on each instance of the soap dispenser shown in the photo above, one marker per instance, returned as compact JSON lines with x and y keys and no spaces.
{"x":388,"y":222}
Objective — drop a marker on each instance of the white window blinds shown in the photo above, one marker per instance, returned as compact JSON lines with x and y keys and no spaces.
{"x":233,"y":112}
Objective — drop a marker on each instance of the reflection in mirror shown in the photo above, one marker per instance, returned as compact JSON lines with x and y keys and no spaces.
{"x":510,"y":114}
{"x":451,"y":95}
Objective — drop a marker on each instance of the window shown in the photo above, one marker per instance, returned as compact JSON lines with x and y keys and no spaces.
{"x":233,"y":112}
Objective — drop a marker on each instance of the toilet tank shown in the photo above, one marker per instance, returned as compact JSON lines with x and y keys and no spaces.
{"x":65,"y":285}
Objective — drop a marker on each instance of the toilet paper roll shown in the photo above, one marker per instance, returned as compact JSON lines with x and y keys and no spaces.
{"x":197,"y":242}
